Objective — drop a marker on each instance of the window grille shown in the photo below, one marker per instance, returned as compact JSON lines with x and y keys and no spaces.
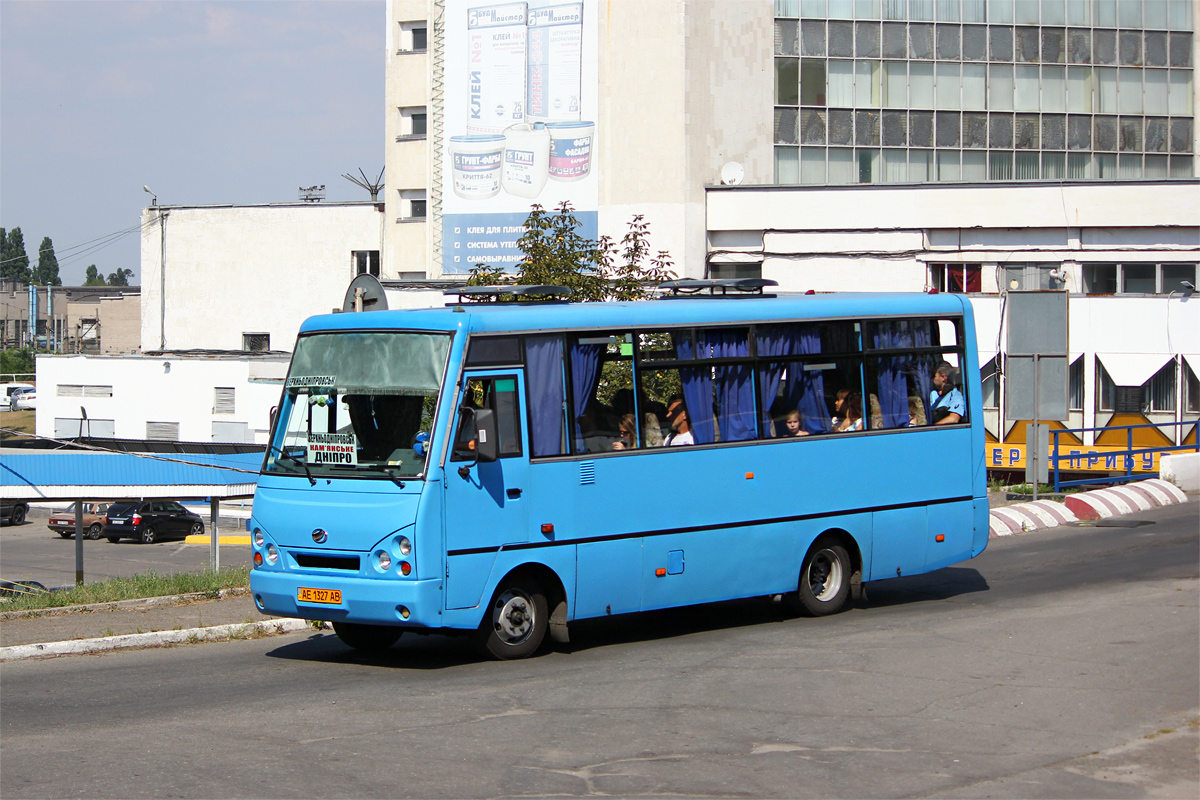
{"x":223,"y":400}
{"x":165,"y":431}
{"x":256,"y":342}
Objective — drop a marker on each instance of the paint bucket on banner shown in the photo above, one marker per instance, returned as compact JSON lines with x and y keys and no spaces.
{"x":570,"y":150}
{"x":526,"y":159}
{"x":477,"y":163}
{"x":496,"y":36}
{"x":554,"y":59}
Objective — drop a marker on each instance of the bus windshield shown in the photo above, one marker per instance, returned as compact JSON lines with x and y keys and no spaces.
{"x":357,"y":404}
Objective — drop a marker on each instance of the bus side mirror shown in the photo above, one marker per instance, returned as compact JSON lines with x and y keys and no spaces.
{"x":476,"y":440}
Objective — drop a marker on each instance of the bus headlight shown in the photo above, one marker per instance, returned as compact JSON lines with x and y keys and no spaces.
{"x":385,"y":561}
{"x":405,"y":545}
{"x":272,"y":554}
{"x":258,"y":537}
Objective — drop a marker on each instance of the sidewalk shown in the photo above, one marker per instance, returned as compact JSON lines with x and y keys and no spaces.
{"x":120,"y":619}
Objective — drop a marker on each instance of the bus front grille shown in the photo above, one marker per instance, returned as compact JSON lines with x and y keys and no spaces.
{"x":328,"y":562}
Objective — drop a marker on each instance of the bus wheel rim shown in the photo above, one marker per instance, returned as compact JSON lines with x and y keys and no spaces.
{"x":512,"y":617}
{"x":825,"y":575}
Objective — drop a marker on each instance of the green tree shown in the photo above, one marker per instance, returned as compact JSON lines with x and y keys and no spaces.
{"x":16,"y":360}
{"x":94,"y":278}
{"x":556,"y":254}
{"x":46,"y":272}
{"x":15,"y":263}
{"x":120,"y":277}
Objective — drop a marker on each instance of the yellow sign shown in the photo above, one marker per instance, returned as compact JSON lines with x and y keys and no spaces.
{"x":1075,"y":458}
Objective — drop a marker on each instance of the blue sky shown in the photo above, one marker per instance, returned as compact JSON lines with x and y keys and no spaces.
{"x":205,"y":102}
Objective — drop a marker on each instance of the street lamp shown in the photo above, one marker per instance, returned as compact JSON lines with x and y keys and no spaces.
{"x":148,"y":191}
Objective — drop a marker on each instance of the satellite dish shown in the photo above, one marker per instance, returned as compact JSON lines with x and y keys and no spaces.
{"x":365,"y":293}
{"x":732,"y":174}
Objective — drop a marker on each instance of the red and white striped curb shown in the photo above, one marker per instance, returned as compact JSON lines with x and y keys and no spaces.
{"x":1022,"y":517}
{"x":1096,"y":504}
{"x":1116,"y":500}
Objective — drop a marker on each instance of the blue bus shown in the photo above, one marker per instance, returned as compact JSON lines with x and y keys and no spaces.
{"x":501,"y":469}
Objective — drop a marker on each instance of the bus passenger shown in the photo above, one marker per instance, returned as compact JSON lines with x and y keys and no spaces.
{"x":792,"y":423}
{"x":628,"y":433}
{"x":946,"y":403}
{"x":839,"y":409}
{"x":851,"y":407}
{"x":681,"y":431}
{"x":916,"y":412}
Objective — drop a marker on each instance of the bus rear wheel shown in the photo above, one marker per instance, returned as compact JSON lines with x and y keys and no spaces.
{"x":516,"y":621}
{"x":366,"y":638}
{"x":824,"y":580}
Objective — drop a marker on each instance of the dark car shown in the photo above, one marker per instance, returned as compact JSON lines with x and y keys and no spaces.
{"x":150,"y":521}
{"x":14,"y":511}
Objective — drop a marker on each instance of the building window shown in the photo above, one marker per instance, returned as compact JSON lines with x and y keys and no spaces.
{"x":1031,"y":277}
{"x":256,"y":342}
{"x":413,"y":123}
{"x":1075,"y":386}
{"x":1138,"y":278}
{"x":412,"y":205}
{"x":1191,"y":389}
{"x":414,"y":37}
{"x":956,"y":278}
{"x":165,"y":431}
{"x":1092,"y":101}
{"x":735,"y":270}
{"x":77,"y":390}
{"x":1158,"y":393}
{"x":990,"y":377}
{"x":366,"y":262}
{"x":223,"y":400}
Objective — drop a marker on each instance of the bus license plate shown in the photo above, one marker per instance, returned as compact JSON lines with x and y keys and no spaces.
{"x":328,"y":596}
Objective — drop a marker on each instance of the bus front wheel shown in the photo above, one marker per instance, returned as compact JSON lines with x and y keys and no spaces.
{"x":516,"y":620}
{"x":824,"y":580}
{"x":366,"y":638}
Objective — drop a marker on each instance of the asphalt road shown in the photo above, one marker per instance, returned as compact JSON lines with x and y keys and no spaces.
{"x":1059,"y":664}
{"x":31,"y":551}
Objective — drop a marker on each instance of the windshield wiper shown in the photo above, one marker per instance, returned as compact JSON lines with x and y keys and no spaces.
{"x":308,"y":473}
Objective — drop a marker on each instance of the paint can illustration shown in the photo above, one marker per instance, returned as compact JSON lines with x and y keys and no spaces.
{"x":477,"y":165}
{"x":526,"y":159}
{"x":570,"y":150}
{"x":554,"y":62}
{"x":496,"y":37}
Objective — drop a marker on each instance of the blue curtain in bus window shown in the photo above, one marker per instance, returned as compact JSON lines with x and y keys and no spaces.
{"x":543,"y":355}
{"x":923,"y":332}
{"x":893,"y":383}
{"x":697,"y":392}
{"x":735,"y":392}
{"x":585,"y":376}
{"x":804,"y":391}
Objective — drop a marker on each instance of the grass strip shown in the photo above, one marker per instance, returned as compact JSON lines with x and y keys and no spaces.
{"x":143,"y":584}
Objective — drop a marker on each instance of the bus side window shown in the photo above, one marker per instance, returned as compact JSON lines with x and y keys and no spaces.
{"x":499,"y":394}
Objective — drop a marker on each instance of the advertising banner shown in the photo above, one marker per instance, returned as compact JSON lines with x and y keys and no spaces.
{"x":1076,"y":458}
{"x":520,"y":124}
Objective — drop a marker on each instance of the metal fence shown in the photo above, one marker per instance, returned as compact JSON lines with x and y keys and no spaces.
{"x":1127,"y":457}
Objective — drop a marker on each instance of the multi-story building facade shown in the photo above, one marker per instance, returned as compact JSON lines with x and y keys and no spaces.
{"x":976,"y":146}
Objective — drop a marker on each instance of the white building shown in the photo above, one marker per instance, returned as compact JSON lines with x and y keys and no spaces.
{"x":168,"y":396}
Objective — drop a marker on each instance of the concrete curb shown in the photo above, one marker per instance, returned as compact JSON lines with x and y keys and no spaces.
{"x":155,"y":639}
{"x":1085,"y":506}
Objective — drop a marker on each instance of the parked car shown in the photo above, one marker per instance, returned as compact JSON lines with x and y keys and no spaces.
{"x":6,"y":392}
{"x":62,"y":522}
{"x":23,"y":399}
{"x":150,"y":521}
{"x":14,"y":511}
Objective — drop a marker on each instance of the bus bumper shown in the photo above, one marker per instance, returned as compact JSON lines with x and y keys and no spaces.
{"x":366,"y":601}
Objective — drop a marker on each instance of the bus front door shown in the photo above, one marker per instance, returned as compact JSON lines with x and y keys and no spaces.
{"x":485,"y":507}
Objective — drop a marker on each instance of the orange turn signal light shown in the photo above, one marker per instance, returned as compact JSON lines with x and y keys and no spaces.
{"x":941,"y":537}
{"x":258,"y":559}
{"x":660,"y":572}
{"x":405,"y":568}
{"x":547,"y":527}
{"x":749,"y":476}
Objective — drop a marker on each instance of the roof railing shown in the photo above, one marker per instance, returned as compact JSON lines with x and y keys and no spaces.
{"x":494,"y":294}
{"x":722,"y":288}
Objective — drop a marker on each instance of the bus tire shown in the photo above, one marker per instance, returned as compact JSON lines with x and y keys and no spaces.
{"x":824,"y":580}
{"x":367,"y":638}
{"x":516,"y":620}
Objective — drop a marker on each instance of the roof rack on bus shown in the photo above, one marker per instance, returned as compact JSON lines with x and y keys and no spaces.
{"x":716,"y":287}
{"x":493,"y":294}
